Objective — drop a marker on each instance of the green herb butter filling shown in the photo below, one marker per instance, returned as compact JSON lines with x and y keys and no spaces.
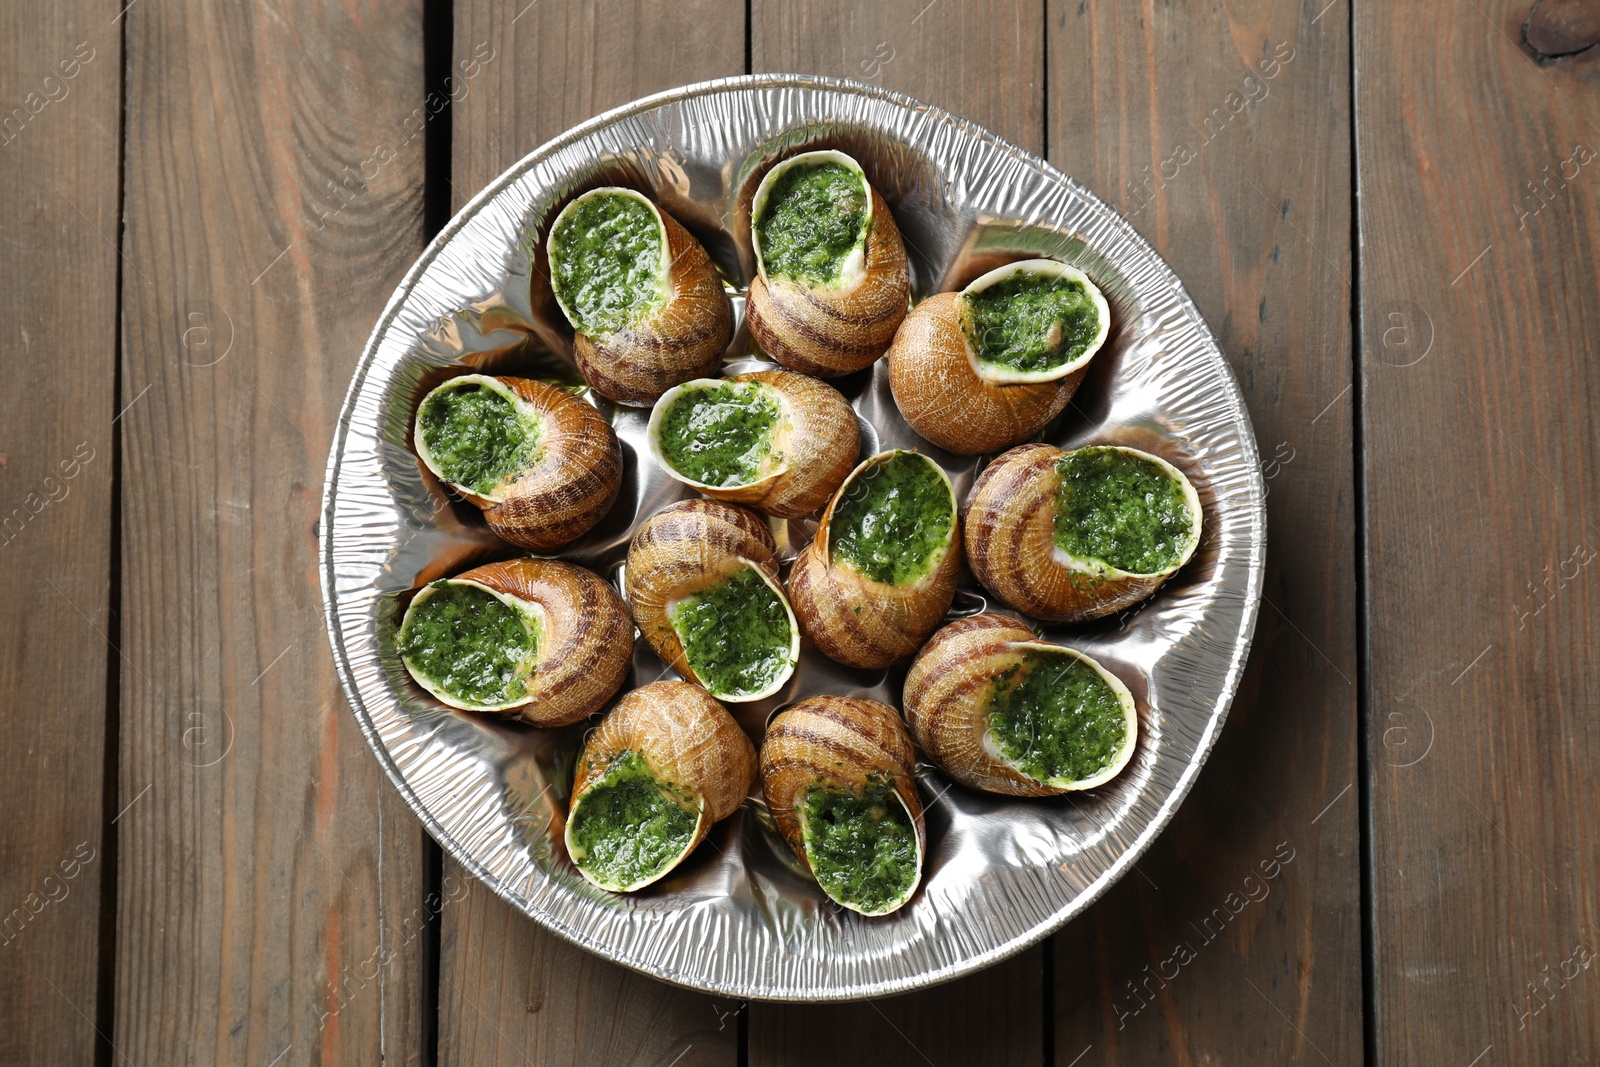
{"x":1031,"y":322}
{"x":893,"y":524}
{"x":1122,"y":509}
{"x":478,"y":436}
{"x":1055,"y":719}
{"x":814,"y":217}
{"x":861,"y":844}
{"x":629,"y":827}
{"x":606,"y":262}
{"x":470,"y":644}
{"x":720,"y":436}
{"x":737,"y":635}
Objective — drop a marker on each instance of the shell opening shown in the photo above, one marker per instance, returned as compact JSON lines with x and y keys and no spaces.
{"x":477,"y":436}
{"x":471,"y":646}
{"x":629,"y":828}
{"x":715,"y":434}
{"x":893,"y":519}
{"x":1121,"y":512}
{"x":610,"y":260}
{"x":862,"y":844}
{"x":739,"y":635}
{"x":1059,"y":718}
{"x":810,"y":218}
{"x":1038,"y":320}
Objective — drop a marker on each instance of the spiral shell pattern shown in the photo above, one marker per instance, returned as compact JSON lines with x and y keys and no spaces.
{"x":828,"y":332}
{"x":1009,"y":518}
{"x":942,"y":397}
{"x":836,"y":741}
{"x":585,"y":644}
{"x":682,"y":549}
{"x":945,"y":699}
{"x":860,"y":622}
{"x":817,"y":439}
{"x":682,"y":339}
{"x":570,"y":486}
{"x":689,"y":742}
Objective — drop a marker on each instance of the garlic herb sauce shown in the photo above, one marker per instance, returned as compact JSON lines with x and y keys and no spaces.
{"x":606,"y":262}
{"x":720,"y":436}
{"x":470,"y":643}
{"x":1121,"y":509}
{"x":894,"y":522}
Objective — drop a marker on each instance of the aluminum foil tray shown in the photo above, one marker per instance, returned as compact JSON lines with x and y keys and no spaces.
{"x":740,"y":918}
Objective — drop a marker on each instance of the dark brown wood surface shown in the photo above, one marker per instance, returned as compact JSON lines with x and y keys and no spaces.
{"x":207,"y":214}
{"x":1480,"y":310}
{"x":60,"y":142}
{"x":269,"y":883}
{"x":1223,"y":132}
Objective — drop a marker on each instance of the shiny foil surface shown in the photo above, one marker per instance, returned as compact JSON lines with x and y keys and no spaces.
{"x":740,"y":917}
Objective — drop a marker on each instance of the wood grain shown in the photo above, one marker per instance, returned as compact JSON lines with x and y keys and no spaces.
{"x":510,"y":992}
{"x":60,"y":71}
{"x":1223,"y":132}
{"x":985,"y":63}
{"x":1480,"y":309}
{"x":270,"y":893}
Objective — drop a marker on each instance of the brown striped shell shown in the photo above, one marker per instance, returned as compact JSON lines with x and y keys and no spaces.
{"x":856,"y":620}
{"x":946,"y":702}
{"x":813,"y":448}
{"x":831,"y":331}
{"x":689,"y":742}
{"x":585,"y":643}
{"x":682,"y":339}
{"x":1009,"y":519}
{"x":568,"y":489}
{"x":837,"y":741}
{"x":685,"y":547}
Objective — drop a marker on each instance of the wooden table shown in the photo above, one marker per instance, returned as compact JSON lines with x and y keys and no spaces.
{"x":1388,"y":212}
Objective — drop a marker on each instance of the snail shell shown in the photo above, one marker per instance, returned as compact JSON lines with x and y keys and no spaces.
{"x":855,"y":619}
{"x":1009,"y":519}
{"x":831,"y":330}
{"x":947,"y":702}
{"x":967,"y":405}
{"x":681,"y":339}
{"x":812,"y":448}
{"x":686,"y":548}
{"x":689,"y":744}
{"x":838,"y":742}
{"x":585,"y":643}
{"x":566,"y":490}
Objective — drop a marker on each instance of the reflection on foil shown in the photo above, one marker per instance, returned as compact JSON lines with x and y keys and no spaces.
{"x":741,"y":917}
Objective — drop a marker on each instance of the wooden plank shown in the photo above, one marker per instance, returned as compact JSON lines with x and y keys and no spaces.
{"x":1225,"y":138}
{"x":60,"y":141}
{"x":510,"y":992}
{"x":984,"y":62}
{"x":1480,"y":215}
{"x":270,"y":892}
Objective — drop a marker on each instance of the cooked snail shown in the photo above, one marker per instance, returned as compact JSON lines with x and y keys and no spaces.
{"x":882,"y":570}
{"x":542,"y":465}
{"x":1000,"y":710}
{"x":831,"y":278}
{"x":837,"y":774}
{"x":661,"y":768}
{"x":776,"y":440}
{"x":985,"y":368}
{"x":702,"y":580}
{"x":646,"y":305}
{"x":1070,"y":536}
{"x":545,"y":640}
